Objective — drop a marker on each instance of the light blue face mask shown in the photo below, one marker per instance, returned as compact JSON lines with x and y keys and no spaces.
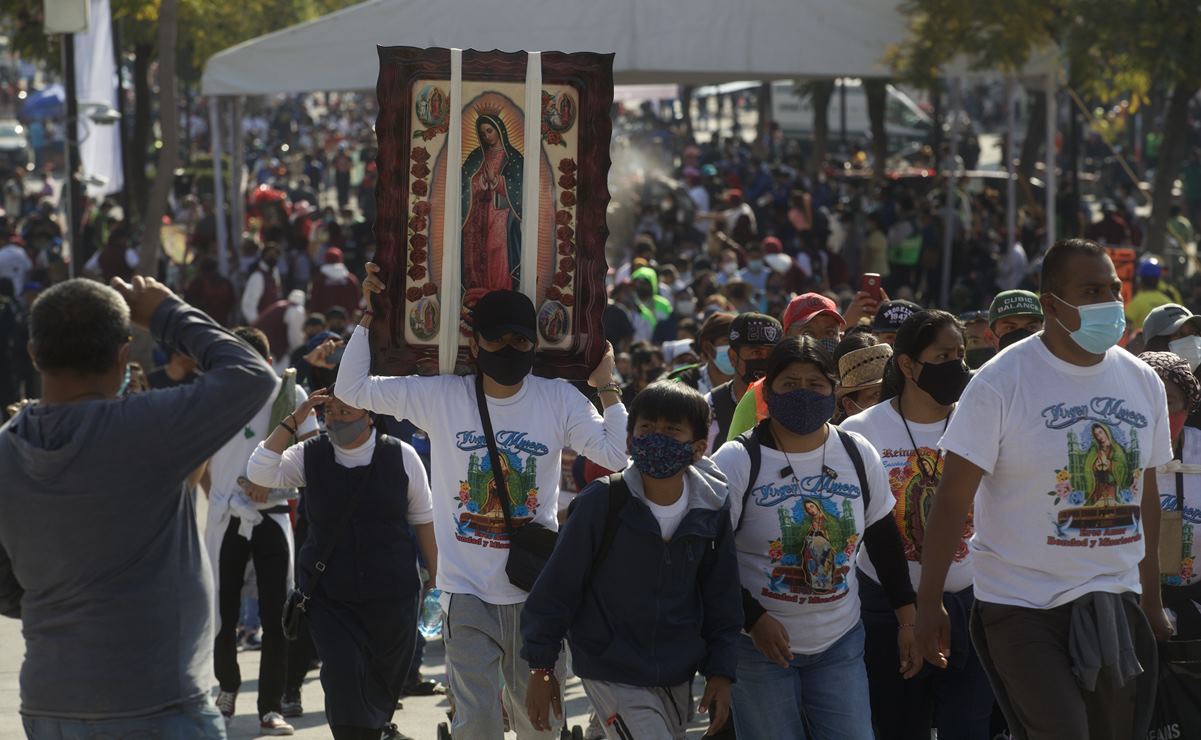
{"x":1101,"y":325}
{"x":721,"y":359}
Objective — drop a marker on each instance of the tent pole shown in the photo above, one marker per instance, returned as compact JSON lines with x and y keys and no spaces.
{"x":218,"y":185}
{"x":948,"y":226}
{"x":1051,"y":183}
{"x":1010,"y":183}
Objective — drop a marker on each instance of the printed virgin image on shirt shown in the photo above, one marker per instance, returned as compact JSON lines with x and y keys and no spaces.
{"x":480,"y":514}
{"x":1098,"y":487}
{"x":817,"y":543}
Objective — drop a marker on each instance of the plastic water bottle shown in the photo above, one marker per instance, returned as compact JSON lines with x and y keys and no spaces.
{"x":431,"y":615}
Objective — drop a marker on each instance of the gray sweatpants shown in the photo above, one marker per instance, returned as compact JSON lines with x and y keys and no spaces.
{"x":641,"y":713}
{"x":483,"y":643}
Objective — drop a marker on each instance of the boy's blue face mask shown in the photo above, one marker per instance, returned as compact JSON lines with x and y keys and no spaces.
{"x":660,"y":456}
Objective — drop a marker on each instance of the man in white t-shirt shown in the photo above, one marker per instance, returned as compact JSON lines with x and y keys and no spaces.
{"x":533,"y":420}
{"x":1060,"y":434}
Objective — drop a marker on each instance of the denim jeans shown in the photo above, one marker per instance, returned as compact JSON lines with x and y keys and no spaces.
{"x":196,"y":719}
{"x":823,"y":696}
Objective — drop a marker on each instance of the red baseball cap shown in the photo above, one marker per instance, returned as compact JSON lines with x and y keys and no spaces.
{"x":333,"y":255}
{"x":772,"y":245}
{"x":805,"y":308}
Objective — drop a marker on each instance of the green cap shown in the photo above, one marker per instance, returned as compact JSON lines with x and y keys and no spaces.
{"x":1014,"y":303}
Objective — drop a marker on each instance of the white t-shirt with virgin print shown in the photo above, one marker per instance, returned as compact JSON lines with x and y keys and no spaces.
{"x":883,"y":427}
{"x":1190,"y":548}
{"x":1063,"y":449}
{"x":803,"y":530}
{"x":532,"y":428}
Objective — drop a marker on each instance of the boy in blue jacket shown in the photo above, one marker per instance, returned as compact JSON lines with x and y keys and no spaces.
{"x":643,"y":583}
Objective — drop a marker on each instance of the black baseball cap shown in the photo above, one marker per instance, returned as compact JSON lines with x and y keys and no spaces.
{"x":892,"y":314}
{"x":504,"y":312}
{"x":751,"y":329}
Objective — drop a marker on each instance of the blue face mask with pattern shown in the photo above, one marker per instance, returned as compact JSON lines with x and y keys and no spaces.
{"x":660,"y":456}
{"x":801,"y":411}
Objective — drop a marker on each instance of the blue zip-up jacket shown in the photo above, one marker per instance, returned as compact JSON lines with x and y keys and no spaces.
{"x":655,"y":613}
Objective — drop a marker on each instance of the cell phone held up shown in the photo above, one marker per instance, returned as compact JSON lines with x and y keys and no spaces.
{"x":870,"y":284}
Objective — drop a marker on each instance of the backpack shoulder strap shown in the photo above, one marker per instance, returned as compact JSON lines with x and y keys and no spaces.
{"x":619,"y":493}
{"x":856,"y":456}
{"x":754,"y":450}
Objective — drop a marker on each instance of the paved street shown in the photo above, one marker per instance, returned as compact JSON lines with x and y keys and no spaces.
{"x":419,"y":718}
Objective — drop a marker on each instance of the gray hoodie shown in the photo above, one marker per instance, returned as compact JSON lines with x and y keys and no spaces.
{"x":99,"y":551}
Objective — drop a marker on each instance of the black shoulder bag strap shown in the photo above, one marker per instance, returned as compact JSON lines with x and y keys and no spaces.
{"x":1180,"y":475}
{"x":619,"y":493}
{"x":857,"y":460}
{"x":754,"y":450}
{"x":323,"y":561}
{"x":498,"y":475}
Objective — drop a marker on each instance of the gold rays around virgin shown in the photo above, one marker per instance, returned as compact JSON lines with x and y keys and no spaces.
{"x":510,"y":114}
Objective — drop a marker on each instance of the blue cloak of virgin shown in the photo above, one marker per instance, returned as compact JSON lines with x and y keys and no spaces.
{"x":512,"y":171}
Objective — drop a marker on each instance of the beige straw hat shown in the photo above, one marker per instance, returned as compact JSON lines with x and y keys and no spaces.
{"x":863,"y":368}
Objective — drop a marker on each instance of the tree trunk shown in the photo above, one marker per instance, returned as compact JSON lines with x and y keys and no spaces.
{"x":140,"y":143}
{"x":168,"y":157}
{"x":1171,"y":151}
{"x":1036,"y":133}
{"x":686,"y":104}
{"x":821,"y":92}
{"x":877,"y":99}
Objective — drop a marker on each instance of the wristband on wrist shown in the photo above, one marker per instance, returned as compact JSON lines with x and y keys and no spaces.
{"x":902,"y":626}
{"x":292,"y":430}
{"x":546,"y":673}
{"x":612,"y":388}
{"x":368,"y":312}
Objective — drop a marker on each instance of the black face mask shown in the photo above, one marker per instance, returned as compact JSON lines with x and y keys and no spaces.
{"x":1014,"y":337}
{"x":507,"y":366}
{"x":755,"y":369}
{"x":944,"y":381}
{"x":977,"y":357}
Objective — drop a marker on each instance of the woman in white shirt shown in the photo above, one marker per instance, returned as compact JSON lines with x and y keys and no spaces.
{"x":800,"y":514}
{"x":1180,"y":491}
{"x":922,"y":383}
{"x":368,"y":507}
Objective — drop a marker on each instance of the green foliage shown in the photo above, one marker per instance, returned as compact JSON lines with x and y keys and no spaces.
{"x":205,"y":26}
{"x":991,"y":35}
{"x":1111,"y":47}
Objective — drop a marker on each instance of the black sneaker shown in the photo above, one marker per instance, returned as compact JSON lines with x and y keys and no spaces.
{"x":392,"y":733}
{"x":291,"y":706}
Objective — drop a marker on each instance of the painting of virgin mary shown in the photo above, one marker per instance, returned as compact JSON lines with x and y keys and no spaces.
{"x":491,"y":193}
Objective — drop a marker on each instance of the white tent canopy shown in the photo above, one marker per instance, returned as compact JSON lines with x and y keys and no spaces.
{"x":696,"y":42}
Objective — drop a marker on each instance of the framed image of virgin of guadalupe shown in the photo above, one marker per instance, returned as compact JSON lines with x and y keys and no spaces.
{"x":493,"y":174}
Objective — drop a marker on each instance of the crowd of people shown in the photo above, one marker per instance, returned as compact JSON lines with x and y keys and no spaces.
{"x":855,"y":509}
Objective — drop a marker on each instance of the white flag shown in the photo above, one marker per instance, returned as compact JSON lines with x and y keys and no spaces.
{"x":96,"y":82}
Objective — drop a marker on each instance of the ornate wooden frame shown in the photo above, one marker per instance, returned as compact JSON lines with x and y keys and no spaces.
{"x":591,"y":75}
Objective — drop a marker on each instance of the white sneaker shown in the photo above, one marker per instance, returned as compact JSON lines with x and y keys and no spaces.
{"x":273,"y":723}
{"x":226,"y":702}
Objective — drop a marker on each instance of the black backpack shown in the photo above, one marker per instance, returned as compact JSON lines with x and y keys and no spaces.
{"x":754,"y":449}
